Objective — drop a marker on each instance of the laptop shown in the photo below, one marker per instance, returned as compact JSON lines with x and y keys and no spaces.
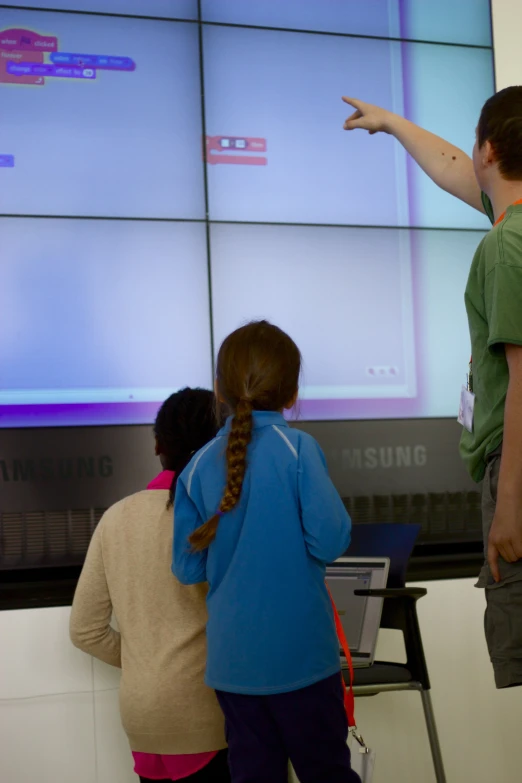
{"x":385,"y":539}
{"x":360,"y":616}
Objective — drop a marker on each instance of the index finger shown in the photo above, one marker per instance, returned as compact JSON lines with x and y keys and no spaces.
{"x":353,"y":102}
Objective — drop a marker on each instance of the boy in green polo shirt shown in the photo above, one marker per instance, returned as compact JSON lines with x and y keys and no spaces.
{"x":492,"y":447}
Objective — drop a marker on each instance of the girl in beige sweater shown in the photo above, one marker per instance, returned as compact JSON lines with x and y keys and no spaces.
{"x":173,"y":721}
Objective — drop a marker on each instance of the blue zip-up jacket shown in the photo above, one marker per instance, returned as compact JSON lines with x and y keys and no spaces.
{"x":271,"y":626}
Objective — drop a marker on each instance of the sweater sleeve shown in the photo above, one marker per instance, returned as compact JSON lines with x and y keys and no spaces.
{"x":90,"y":623}
{"x":189,"y":567}
{"x":326,"y":523}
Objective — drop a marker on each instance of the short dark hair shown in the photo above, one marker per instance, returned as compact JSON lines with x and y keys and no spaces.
{"x":500,"y":123}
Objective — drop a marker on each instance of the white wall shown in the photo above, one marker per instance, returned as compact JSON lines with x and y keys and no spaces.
{"x":59,"y":715}
{"x":507,"y":29}
{"x":59,"y":720}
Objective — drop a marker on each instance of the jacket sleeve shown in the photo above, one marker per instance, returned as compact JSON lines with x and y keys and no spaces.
{"x":326,"y":523}
{"x":189,"y":567}
{"x":90,"y":622}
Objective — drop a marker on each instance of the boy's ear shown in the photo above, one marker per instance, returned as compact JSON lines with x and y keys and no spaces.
{"x":488,"y":154}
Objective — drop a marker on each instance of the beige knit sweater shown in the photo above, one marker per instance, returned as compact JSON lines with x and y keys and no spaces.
{"x":161,"y":643}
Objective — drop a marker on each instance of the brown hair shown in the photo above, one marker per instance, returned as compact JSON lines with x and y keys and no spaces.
{"x":500,"y":123}
{"x":258,"y":368}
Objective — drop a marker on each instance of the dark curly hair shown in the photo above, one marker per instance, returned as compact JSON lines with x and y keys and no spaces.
{"x":185,"y":423}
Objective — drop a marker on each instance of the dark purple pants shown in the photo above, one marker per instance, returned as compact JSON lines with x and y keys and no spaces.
{"x":308,"y":727}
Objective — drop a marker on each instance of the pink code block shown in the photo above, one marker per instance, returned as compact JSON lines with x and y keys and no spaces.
{"x":218,"y":149}
{"x":18,"y":39}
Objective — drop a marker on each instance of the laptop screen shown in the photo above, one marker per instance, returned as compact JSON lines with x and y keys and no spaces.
{"x":360,"y":616}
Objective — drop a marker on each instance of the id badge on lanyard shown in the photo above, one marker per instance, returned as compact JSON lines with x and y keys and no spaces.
{"x":363,"y":761}
{"x":467,"y":401}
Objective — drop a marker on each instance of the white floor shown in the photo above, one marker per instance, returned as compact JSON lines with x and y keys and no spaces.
{"x":59,"y":718}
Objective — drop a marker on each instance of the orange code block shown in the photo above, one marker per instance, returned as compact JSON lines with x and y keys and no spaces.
{"x":20,"y":57}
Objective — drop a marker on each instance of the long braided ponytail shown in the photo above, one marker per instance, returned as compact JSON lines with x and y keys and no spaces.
{"x":238,"y":440}
{"x":258,"y":369}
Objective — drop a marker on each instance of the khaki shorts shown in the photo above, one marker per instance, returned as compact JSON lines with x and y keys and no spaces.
{"x":503,"y":618}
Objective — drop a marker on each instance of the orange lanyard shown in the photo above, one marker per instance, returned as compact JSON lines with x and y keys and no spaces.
{"x":349,"y":700}
{"x":503,"y":215}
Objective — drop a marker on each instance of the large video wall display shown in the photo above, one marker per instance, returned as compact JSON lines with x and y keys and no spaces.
{"x":171,"y":169}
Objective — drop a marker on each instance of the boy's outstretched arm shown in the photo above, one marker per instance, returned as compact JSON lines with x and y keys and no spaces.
{"x":448,"y":166}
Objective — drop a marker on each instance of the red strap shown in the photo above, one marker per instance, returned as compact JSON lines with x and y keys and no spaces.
{"x":349,"y":699}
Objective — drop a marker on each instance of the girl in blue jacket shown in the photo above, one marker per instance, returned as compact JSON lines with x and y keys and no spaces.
{"x":258,"y":517}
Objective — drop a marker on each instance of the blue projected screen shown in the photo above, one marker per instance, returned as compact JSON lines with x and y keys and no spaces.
{"x":120,"y":139}
{"x":464,"y":22}
{"x":286,"y":92}
{"x":168,"y":9}
{"x":99,"y":311}
{"x":163,"y":180}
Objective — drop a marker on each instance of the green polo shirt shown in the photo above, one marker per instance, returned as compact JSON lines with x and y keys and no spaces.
{"x":494,"y":307}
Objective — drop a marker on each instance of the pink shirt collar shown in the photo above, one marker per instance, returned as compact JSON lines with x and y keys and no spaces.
{"x":162,"y":481}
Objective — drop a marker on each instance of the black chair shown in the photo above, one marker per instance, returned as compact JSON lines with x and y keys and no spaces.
{"x":399,"y":613}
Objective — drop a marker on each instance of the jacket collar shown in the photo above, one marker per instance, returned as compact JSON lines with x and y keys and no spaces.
{"x":261,"y":419}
